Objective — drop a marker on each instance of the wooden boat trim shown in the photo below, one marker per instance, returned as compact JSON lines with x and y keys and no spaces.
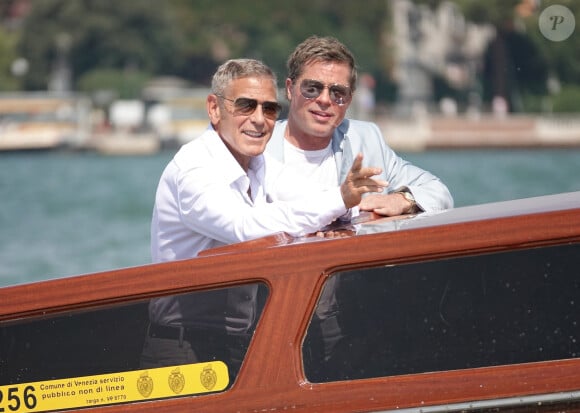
{"x":143,"y":282}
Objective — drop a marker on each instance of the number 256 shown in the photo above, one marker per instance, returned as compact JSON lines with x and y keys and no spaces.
{"x":14,"y":400}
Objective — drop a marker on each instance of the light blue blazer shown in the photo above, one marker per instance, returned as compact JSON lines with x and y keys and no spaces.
{"x":352,"y":137}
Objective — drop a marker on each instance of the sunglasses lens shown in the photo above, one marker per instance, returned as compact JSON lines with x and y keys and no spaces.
{"x":271,"y":109}
{"x":311,"y":89}
{"x":339,"y":94}
{"x":245,"y":106}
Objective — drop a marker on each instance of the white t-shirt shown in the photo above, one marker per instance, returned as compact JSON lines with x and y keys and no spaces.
{"x":317,"y":166}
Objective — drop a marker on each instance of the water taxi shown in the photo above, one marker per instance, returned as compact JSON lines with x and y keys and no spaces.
{"x":470,"y":309}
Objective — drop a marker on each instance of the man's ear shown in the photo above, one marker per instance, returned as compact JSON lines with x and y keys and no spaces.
{"x":213,"y":109}
{"x":289,"y":89}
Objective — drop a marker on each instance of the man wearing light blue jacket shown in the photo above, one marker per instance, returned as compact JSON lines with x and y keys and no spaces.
{"x":317,"y":141}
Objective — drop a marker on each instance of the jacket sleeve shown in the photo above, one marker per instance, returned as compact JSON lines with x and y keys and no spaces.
{"x":430,"y":193}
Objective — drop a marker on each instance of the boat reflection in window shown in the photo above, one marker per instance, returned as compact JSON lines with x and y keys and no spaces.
{"x":111,"y":339}
{"x":476,"y":311}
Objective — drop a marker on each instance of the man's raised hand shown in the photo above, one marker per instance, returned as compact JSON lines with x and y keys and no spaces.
{"x":360,"y":181}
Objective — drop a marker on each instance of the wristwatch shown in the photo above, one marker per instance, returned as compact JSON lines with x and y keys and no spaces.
{"x":409,"y":197}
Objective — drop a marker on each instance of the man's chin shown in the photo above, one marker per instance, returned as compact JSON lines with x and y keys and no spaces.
{"x":256,"y":150}
{"x":321,"y":131}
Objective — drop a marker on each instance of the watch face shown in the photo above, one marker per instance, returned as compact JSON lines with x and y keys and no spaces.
{"x":409,"y":197}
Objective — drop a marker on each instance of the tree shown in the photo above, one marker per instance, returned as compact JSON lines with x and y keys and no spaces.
{"x":8,"y":81}
{"x":513,"y":64}
{"x":97,"y":34}
{"x":562,"y":57}
{"x":214,"y":31}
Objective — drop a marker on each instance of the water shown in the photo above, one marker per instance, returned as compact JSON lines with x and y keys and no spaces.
{"x":69,"y":213}
{"x":64,"y":214}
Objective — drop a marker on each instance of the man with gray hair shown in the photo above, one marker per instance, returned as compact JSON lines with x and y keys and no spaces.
{"x":217,"y":191}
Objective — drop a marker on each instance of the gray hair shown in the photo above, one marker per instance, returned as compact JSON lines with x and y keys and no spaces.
{"x":239,"y":68}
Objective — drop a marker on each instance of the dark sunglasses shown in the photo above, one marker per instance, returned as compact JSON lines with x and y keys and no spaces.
{"x":247,"y":106}
{"x":339,"y":94}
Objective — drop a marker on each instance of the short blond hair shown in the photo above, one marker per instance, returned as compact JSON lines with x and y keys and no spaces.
{"x":321,"y":49}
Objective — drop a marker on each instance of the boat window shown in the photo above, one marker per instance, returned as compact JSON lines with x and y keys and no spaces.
{"x":110,"y":354}
{"x":458,"y":313}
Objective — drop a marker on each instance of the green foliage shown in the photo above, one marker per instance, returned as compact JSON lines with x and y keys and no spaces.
{"x":126,"y":83}
{"x":7,"y":56}
{"x":189,"y":38}
{"x":535,"y":103}
{"x":567,"y":100}
{"x":270,"y":30}
{"x":529,"y":57}
{"x":495,"y":12}
{"x":562,"y":58}
{"x":99,"y":34}
{"x":104,"y":40}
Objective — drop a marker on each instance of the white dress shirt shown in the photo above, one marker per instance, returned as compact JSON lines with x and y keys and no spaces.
{"x":202,"y":201}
